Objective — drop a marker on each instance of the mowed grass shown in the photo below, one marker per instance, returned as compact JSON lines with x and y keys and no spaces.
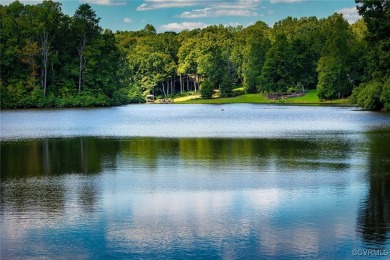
{"x":247,"y":98}
{"x":311,"y":98}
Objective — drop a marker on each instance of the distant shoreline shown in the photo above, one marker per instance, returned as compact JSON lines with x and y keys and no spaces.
{"x":310,"y":99}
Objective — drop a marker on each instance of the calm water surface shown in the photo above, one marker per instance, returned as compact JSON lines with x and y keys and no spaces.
{"x":193,"y":181}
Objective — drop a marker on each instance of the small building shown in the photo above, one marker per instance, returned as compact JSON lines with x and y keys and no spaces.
{"x":149,"y":98}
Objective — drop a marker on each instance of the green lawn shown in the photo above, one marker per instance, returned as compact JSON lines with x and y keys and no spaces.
{"x":311,"y":97}
{"x":247,"y":98}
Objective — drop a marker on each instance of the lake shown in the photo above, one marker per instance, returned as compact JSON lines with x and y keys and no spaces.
{"x":195,"y":181}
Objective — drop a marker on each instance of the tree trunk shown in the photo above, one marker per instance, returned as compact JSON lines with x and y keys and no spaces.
{"x":195,"y":84}
{"x":82,"y":62}
{"x":45,"y":47}
{"x":52,"y":73}
{"x":188,"y":84}
{"x":181,"y":84}
{"x":164,"y":89}
{"x":172,"y":86}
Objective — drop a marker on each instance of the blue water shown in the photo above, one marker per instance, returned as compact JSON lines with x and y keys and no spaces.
{"x":192,"y":181}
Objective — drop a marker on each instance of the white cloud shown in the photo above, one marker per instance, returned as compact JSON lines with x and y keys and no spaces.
{"x":236,"y":4}
{"x":351,"y":14}
{"x":27,"y":2}
{"x":127,"y":20}
{"x":159,"y":4}
{"x":182,"y":26}
{"x":210,"y":12}
{"x":197,"y":13}
{"x":104,"y":2}
{"x":216,"y":4}
{"x":284,"y":1}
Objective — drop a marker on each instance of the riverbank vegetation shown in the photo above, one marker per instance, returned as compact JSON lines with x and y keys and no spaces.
{"x":309,"y":98}
{"x":50,"y":59}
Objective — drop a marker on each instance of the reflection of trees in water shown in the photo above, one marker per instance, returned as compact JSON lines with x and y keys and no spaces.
{"x":223,"y":151}
{"x":374,"y":214}
{"x":87,"y":194}
{"x":55,"y":157}
{"x":91,"y":155}
{"x":51,"y":157}
{"x":88,"y":156}
{"x":37,"y":196}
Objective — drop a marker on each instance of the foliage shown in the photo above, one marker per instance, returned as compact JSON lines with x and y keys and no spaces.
{"x":368,"y":95}
{"x":374,"y":95}
{"x":340,"y":65}
{"x":206,"y":89}
{"x":385,"y":95}
{"x":50,"y":59}
{"x":311,"y":97}
{"x":226,"y":87}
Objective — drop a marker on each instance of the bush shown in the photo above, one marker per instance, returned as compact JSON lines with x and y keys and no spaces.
{"x":206,"y":89}
{"x":120,"y":97}
{"x":135,"y":94}
{"x":238,"y":92}
{"x":385,"y":95}
{"x":368,"y":95}
{"x":37,"y":98}
{"x":226,"y":87}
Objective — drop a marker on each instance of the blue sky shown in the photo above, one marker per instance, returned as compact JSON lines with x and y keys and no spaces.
{"x":175,"y":15}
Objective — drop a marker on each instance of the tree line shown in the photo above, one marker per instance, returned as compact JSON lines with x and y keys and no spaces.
{"x":51,"y":59}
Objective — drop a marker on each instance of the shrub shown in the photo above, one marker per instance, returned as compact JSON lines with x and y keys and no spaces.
{"x":368,"y":95}
{"x":238,"y":92}
{"x":226,"y":87}
{"x":206,"y":89}
{"x":385,"y":95}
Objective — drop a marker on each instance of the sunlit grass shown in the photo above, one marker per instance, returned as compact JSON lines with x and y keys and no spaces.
{"x":311,"y":97}
{"x":247,"y":98}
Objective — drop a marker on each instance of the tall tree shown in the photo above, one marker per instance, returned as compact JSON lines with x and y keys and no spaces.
{"x":254,"y":50}
{"x":86,"y":27}
{"x":374,"y":92}
{"x":276,"y":75}
{"x":336,"y":73}
{"x":376,"y":14}
{"x":49,"y":17}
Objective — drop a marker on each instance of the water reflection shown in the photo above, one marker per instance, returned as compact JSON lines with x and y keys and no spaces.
{"x":183,"y":197}
{"x":48,"y":157}
{"x":374,"y":214}
{"x":88,"y":155}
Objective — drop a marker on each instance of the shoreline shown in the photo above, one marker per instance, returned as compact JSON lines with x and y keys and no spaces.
{"x":310,"y":99}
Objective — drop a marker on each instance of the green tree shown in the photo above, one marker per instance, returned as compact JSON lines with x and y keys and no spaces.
{"x":86,"y":28}
{"x":276,"y":73}
{"x":49,"y":17}
{"x":376,"y":14}
{"x":337,"y":73}
{"x":373,"y":93}
{"x":206,"y":89}
{"x":254,"y":51}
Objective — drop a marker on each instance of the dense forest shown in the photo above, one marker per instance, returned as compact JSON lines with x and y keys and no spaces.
{"x":49,"y":59}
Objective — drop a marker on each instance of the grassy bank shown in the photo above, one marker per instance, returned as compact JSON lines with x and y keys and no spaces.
{"x":311,"y":98}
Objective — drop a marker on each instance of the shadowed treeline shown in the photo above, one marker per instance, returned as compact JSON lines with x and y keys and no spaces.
{"x":91,"y":155}
{"x":30,"y":168}
{"x":54,"y":157}
{"x":374,"y":214}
